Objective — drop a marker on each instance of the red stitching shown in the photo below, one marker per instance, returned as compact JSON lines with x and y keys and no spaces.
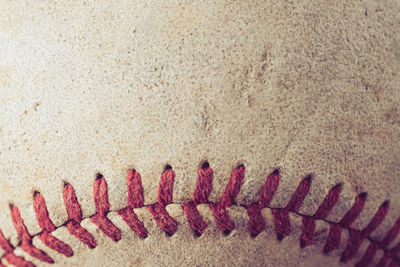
{"x":308,"y":225}
{"x":194,"y":218}
{"x":281,"y":216}
{"x":233,"y":187}
{"x":160,"y":214}
{"x":26,"y":238}
{"x":165,"y":188}
{"x":9,"y":253}
{"x":201,"y":193}
{"x":42,"y":217}
{"x":100,"y":192}
{"x":204,"y":184}
{"x":335,"y":231}
{"x":75,"y":217}
{"x":256,"y":220}
{"x":135,"y":200}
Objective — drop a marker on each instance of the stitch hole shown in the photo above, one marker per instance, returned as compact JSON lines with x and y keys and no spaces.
{"x":168,"y":234}
{"x":338,"y":186}
{"x":227,"y":232}
{"x":308,"y":178}
{"x":167,"y":167}
{"x":241,"y":165}
{"x":276,"y":171}
{"x":205,"y":165}
{"x":35,"y":193}
{"x":254,"y":235}
{"x":280,"y":237}
{"x":302,"y":242}
{"x":196,"y":234}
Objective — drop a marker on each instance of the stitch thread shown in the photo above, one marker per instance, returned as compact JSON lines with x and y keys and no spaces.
{"x":75,"y":217}
{"x":256,"y":220}
{"x":100,"y":192}
{"x":335,"y":231}
{"x":202,"y":191}
{"x":308,"y":224}
{"x":26,"y":238}
{"x":135,"y":200}
{"x":281,"y":216}
{"x":157,"y":210}
{"x":43,"y":219}
{"x":9,"y":253}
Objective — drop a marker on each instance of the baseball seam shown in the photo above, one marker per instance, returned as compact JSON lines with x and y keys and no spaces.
{"x":281,"y":218}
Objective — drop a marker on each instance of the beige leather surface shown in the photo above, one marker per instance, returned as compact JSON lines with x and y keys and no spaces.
{"x":304,"y":86}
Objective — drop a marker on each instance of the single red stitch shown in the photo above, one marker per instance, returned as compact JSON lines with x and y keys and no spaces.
{"x":42,"y":215}
{"x":281,"y":216}
{"x":308,"y":229}
{"x":56,"y":244}
{"x":131,"y":219}
{"x":300,"y":194}
{"x":204,"y":184}
{"x":329,"y":202}
{"x":9,"y":255}
{"x":100,"y":192}
{"x":135,"y":190}
{"x":333,"y":241}
{"x":75,"y":217}
{"x":45,"y":223}
{"x":354,"y":212}
{"x":194,"y":218}
{"x":81,"y":233}
{"x":256,"y":220}
{"x":269,"y":188}
{"x":281,"y":222}
{"x":233,"y":187}
{"x":162,"y":218}
{"x":25,"y":237}
{"x":166,"y":186}
{"x":308,"y":223}
{"x":224,"y":222}
{"x":100,"y":195}
{"x":71,"y":203}
{"x":17,"y":260}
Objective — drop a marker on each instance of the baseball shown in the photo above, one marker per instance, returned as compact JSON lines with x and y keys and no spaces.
{"x":200,"y":133}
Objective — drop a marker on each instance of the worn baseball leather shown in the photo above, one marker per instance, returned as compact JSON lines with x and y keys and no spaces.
{"x":309,"y":88}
